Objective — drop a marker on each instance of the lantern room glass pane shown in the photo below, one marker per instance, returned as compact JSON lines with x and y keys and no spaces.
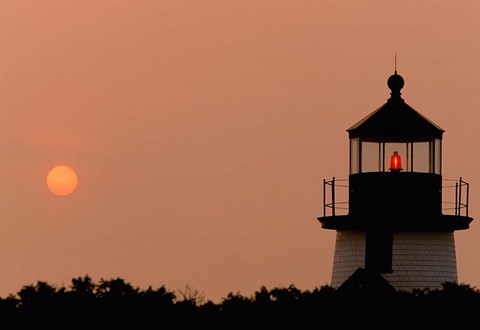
{"x":438,"y":156}
{"x":421,"y":157}
{"x":354,"y":156}
{"x":371,"y":157}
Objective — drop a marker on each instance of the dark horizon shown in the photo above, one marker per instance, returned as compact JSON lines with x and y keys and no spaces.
{"x":118,"y":302}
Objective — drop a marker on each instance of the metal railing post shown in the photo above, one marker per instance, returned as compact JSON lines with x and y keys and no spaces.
{"x":324,"y":207}
{"x":456,"y":198}
{"x":460,"y":198}
{"x":333,"y":196}
{"x":466,"y":205}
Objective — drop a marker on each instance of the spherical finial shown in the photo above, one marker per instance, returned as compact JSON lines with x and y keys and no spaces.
{"x":395,"y":83}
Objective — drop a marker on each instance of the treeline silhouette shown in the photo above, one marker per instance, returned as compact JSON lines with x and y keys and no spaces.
{"x":117,"y":303}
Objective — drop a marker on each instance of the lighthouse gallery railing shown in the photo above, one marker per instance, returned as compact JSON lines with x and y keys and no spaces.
{"x":455,"y":194}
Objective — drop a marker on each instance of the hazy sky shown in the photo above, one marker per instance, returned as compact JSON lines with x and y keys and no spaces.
{"x":201,"y":132}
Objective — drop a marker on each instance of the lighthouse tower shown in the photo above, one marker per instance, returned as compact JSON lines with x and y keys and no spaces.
{"x":401,"y":215}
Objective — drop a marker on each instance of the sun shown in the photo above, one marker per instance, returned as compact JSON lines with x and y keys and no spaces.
{"x":62,"y":180}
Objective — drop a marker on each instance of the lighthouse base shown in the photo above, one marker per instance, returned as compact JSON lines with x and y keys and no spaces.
{"x":420,"y":260}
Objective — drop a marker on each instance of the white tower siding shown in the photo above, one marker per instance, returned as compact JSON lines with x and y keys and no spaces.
{"x":419,"y":259}
{"x":349,"y":255}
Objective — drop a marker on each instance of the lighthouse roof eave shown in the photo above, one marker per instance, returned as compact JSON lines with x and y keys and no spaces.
{"x":395,"y":120}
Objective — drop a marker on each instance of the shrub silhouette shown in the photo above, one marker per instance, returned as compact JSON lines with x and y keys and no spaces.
{"x":115,"y":302}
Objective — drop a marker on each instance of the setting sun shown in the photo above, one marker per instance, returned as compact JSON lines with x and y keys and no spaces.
{"x":62,"y":180}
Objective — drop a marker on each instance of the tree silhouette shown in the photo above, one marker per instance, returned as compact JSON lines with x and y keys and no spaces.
{"x":116,"y":302}
{"x":191,"y":296}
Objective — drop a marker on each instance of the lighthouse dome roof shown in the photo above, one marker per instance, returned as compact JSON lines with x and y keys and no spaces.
{"x":395,"y":120}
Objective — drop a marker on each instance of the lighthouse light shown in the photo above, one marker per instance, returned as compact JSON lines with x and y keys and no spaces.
{"x":395,"y":162}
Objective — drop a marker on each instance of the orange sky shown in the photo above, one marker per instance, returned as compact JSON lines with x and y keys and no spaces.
{"x":201,"y":132}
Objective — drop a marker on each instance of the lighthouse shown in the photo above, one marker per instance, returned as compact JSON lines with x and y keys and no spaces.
{"x":396,"y":215}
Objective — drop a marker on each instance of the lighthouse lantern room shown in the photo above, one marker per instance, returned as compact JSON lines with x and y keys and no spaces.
{"x":397,"y":223}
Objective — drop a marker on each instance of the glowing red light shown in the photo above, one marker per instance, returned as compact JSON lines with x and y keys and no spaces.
{"x":395,"y":162}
